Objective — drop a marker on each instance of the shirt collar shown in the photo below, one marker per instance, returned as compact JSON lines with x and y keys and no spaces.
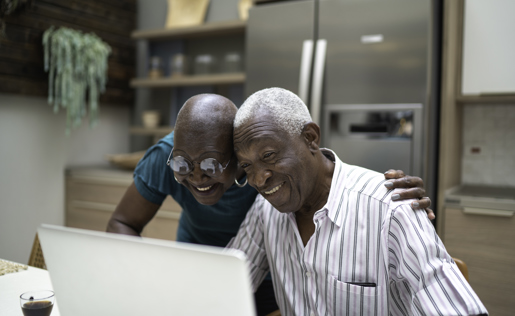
{"x":335,"y":201}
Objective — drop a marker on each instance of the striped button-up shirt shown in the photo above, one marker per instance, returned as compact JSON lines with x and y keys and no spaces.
{"x":369,"y":255}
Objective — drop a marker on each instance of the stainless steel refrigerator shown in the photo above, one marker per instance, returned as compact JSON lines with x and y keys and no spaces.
{"x":368,"y":70}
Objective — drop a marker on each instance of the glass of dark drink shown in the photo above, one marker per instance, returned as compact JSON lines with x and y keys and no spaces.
{"x":37,"y":303}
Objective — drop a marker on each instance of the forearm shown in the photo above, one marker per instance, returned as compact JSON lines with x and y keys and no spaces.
{"x":116,"y":226}
{"x":132,"y":214}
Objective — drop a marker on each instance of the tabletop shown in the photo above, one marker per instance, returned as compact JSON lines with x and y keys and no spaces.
{"x":12,"y":285}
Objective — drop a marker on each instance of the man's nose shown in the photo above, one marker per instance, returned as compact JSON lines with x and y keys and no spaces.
{"x":196,"y":174}
{"x":258,"y":178}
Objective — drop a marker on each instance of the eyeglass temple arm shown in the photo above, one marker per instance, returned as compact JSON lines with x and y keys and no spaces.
{"x":169,"y":158}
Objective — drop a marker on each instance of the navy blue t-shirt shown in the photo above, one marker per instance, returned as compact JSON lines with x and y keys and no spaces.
{"x":213,"y":225}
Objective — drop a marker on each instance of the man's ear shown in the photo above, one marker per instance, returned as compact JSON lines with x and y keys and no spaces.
{"x":311,"y":134}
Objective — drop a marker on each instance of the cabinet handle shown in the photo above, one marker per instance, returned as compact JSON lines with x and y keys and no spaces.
{"x":318,"y":77}
{"x":96,"y":206}
{"x":488,"y":212}
{"x":305,"y":69}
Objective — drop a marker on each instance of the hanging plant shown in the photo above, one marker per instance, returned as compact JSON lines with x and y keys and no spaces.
{"x":77,"y":68}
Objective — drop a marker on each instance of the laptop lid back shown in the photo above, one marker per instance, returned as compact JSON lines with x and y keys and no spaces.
{"x":97,"y":273}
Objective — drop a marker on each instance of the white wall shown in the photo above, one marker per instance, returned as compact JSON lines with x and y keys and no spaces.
{"x":34,"y":152}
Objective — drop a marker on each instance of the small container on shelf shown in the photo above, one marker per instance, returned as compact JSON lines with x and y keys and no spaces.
{"x":204,"y":64}
{"x":151,"y":118}
{"x":232,"y":62}
{"x":178,"y":65}
{"x":156,"y":68}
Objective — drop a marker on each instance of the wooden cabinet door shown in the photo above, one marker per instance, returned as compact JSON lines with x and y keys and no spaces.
{"x":487,"y":245}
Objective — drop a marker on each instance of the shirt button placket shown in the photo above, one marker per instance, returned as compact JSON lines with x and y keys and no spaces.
{"x":310,"y":281}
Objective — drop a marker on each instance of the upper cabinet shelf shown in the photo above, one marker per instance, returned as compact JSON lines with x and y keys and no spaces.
{"x":204,"y":30}
{"x":182,"y":81}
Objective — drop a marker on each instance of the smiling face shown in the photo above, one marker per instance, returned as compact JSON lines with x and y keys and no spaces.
{"x":204,"y":130}
{"x":282,"y":167}
{"x":196,"y":147}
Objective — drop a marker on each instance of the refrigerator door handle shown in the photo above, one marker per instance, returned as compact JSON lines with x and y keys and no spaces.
{"x":305,"y":69}
{"x":318,"y":77}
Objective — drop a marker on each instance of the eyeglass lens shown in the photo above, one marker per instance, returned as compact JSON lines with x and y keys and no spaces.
{"x":209,"y":166}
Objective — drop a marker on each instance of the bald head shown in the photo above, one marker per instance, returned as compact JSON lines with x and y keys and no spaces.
{"x":204,"y":130}
{"x":206,"y":113}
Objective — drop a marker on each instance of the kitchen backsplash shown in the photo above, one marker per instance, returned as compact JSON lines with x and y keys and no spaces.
{"x":488,"y":144}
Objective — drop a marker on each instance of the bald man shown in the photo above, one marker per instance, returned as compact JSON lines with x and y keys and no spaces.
{"x":195,"y":165}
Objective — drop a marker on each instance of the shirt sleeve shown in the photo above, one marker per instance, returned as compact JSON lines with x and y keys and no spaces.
{"x":152,"y":177}
{"x":251,"y":240}
{"x":422,"y":270}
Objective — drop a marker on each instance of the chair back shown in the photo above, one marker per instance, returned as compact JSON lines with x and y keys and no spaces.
{"x":463,"y":268}
{"x":36,"y":256}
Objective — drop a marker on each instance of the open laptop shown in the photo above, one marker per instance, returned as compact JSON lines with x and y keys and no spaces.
{"x":97,"y":273}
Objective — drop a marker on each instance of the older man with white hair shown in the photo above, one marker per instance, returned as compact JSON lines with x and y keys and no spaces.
{"x":330,"y":234}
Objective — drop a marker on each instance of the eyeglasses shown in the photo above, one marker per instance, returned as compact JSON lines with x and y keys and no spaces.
{"x":209,"y":166}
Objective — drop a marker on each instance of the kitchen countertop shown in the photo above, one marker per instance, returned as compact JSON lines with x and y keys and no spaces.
{"x":482,"y":197}
{"x":100,"y":174}
{"x":485,"y":191}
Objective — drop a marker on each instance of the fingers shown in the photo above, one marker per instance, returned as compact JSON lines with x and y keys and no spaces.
{"x":405,"y":182}
{"x":420,"y":204}
{"x":423,"y":203}
{"x":414,"y":189}
{"x":412,"y":193}
{"x":430,"y":213}
{"x":394,"y":174}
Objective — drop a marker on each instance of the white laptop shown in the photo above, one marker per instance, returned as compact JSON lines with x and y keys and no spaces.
{"x":97,"y":273}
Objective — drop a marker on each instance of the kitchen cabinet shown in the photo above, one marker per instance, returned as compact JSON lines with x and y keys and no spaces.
{"x":480,"y":230}
{"x":92,"y":194}
{"x":488,"y":67}
{"x":485,"y":244}
{"x":477,"y":64}
{"x":452,"y":106}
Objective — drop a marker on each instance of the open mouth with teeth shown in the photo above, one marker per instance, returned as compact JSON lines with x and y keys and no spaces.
{"x":204,"y":189}
{"x":273,"y":190}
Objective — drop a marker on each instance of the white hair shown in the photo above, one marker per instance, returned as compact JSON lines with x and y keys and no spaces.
{"x":286,"y":108}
